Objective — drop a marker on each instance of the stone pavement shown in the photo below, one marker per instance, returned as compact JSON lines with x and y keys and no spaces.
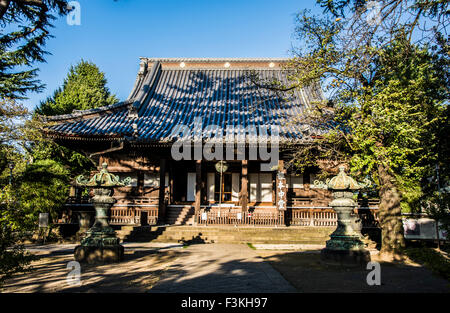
{"x":210,"y":268}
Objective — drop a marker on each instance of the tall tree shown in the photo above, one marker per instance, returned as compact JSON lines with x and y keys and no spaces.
{"x":387,"y":95}
{"x":24,"y":29}
{"x":83,"y":88}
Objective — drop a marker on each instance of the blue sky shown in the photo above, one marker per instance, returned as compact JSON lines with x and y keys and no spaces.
{"x":114,"y":34}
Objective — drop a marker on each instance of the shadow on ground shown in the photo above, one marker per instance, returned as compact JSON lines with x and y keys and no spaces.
{"x":207,"y":268}
{"x":307,"y":274}
{"x":139,"y":272}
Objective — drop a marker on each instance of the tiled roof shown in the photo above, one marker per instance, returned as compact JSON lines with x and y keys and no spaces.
{"x":165,"y":97}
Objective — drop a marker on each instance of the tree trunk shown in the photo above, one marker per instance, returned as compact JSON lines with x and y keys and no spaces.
{"x":392,"y":238}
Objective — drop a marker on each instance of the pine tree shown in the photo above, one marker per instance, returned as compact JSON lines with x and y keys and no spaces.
{"x":28,"y":22}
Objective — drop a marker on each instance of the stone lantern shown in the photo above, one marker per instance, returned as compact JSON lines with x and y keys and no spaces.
{"x":345,"y":246}
{"x":100,"y":243}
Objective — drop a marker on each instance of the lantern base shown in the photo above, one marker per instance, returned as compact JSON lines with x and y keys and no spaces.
{"x":345,"y":258}
{"x":93,"y":255}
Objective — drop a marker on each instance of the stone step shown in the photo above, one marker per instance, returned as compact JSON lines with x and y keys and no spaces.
{"x":181,"y":218}
{"x":233,"y":240}
{"x":243,"y":237}
{"x":251,"y":229}
{"x":266,"y":235}
{"x":173,"y":211}
{"x":180,"y":209}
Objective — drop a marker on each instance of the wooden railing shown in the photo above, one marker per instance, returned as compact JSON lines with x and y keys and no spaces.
{"x":260,"y":218}
{"x":133,"y":215}
{"x":327,"y":217}
{"x":137,"y":200}
{"x":311,"y":217}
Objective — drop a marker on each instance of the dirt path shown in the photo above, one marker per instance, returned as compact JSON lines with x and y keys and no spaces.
{"x":221,"y":268}
{"x":155,"y":268}
{"x":207,"y":268}
{"x":141,"y":269}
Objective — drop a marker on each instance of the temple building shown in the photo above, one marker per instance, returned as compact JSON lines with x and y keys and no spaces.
{"x":184,"y":117}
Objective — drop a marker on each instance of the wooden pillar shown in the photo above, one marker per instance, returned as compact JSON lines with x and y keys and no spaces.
{"x":171,"y":183}
{"x":198,"y":186}
{"x":203,"y":184}
{"x":244,"y":186}
{"x":162,"y":188}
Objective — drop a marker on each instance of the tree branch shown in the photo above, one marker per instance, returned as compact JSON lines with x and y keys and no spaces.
{"x":4,"y":5}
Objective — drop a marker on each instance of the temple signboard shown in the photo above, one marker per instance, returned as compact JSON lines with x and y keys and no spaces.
{"x":281,"y":191}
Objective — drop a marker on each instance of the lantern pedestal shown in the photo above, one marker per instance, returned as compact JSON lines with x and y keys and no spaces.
{"x":94,"y":254}
{"x":101,"y":245}
{"x":345,"y":248}
{"x":345,"y":258}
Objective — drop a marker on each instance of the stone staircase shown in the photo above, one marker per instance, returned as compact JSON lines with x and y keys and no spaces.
{"x":180,"y":215}
{"x":226,"y":234}
{"x":128,"y":232}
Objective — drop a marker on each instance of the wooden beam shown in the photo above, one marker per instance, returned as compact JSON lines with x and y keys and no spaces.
{"x":162,"y":204}
{"x":244,"y":186}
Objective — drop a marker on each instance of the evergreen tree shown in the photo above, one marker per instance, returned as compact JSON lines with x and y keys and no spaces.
{"x":84,"y":88}
{"x":25,"y":26}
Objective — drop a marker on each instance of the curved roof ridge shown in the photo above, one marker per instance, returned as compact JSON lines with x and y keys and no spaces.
{"x":181,"y":59}
{"x":81,"y":113}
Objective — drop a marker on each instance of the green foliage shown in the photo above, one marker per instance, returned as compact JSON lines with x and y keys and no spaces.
{"x":84,"y":88}
{"x":388,"y":103}
{"x":75,"y":162}
{"x":395,"y":118}
{"x":388,"y":98}
{"x":42,"y":188}
{"x":24,"y":31}
{"x":13,"y":229}
{"x":12,"y":116}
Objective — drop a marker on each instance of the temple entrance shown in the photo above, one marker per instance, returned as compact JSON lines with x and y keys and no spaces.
{"x":223,"y":189}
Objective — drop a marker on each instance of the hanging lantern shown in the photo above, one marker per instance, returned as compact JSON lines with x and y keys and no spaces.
{"x":221,"y":166}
